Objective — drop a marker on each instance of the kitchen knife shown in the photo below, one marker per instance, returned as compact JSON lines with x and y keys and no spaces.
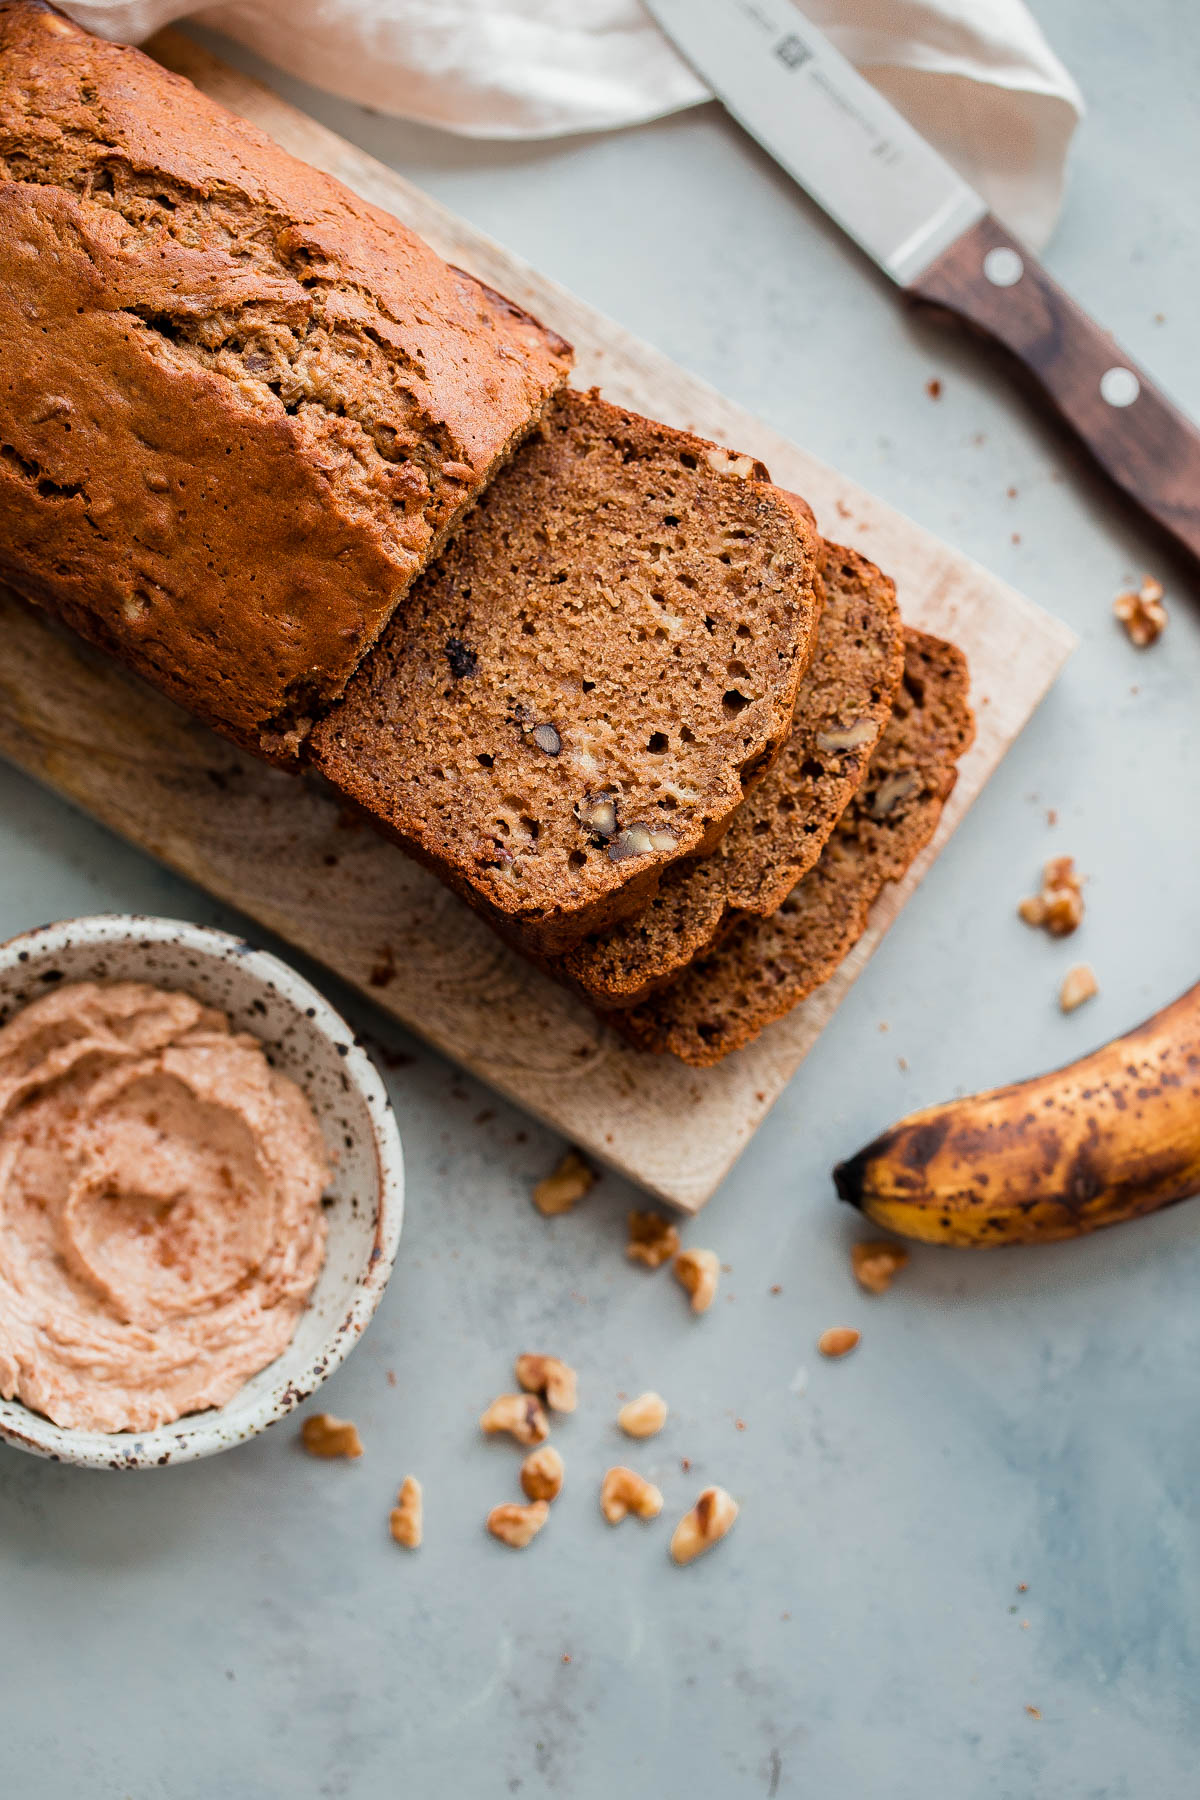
{"x":903,"y":204}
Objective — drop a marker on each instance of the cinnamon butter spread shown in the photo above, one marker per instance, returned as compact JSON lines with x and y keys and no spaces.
{"x":160,"y":1206}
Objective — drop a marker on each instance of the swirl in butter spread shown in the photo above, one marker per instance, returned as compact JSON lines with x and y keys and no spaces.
{"x":160,"y":1206}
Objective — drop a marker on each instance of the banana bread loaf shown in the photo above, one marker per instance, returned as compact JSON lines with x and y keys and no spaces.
{"x":240,"y":408}
{"x":767,"y":966}
{"x":775,"y":838}
{"x":581,"y":689}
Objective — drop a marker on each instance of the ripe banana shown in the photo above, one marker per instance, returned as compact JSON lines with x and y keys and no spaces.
{"x":1108,"y":1138}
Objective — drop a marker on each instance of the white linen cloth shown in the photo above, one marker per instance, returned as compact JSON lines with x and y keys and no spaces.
{"x":976,"y":77}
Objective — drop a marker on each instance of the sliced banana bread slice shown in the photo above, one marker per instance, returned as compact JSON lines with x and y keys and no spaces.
{"x":767,"y":966}
{"x":776,"y":837}
{"x":583,"y":687}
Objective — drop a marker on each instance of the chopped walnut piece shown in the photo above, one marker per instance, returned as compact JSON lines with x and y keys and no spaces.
{"x":570,"y":1182}
{"x":1079,"y":984}
{"x":893,"y":792}
{"x":542,"y":1474}
{"x":1142,"y":614}
{"x":706,"y":1524}
{"x":697,"y":1271}
{"x":839,"y":1340}
{"x":597,"y":814}
{"x":841,"y":738}
{"x":406,"y":1518}
{"x":323,"y":1435}
{"x":728,"y":462}
{"x":876,"y":1263}
{"x":1059,"y":906}
{"x":517,"y":1526}
{"x":639,"y":839}
{"x":643,"y":1417}
{"x":555,"y":1380}
{"x":653,"y":1240}
{"x":519,"y":1414}
{"x":623,"y":1491}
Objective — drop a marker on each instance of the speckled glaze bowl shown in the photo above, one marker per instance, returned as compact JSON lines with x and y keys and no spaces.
{"x":306,"y":1040}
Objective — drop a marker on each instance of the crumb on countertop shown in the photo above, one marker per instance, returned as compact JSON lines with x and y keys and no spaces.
{"x":876,"y":1262}
{"x":1079,"y":984}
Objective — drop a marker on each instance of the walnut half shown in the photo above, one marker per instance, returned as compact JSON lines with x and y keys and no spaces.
{"x":555,"y":1380}
{"x":323,"y":1435}
{"x":542,"y":1474}
{"x":517,"y":1526}
{"x":706,"y":1524}
{"x":624,"y":1491}
{"x":520,"y":1415}
{"x":643,"y":1417}
{"x":697,"y":1271}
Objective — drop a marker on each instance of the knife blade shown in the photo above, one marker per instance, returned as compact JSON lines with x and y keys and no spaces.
{"x":927,"y":228}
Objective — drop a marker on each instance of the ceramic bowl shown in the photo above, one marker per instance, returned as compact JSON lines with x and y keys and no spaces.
{"x":307,"y":1041}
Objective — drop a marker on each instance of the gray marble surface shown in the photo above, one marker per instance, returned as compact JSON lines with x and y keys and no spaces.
{"x":245,"y":1627}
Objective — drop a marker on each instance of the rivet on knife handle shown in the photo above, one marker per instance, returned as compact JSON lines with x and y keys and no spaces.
{"x":1144,"y":443}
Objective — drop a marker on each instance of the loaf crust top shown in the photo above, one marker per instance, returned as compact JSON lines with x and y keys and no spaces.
{"x":242,"y":407}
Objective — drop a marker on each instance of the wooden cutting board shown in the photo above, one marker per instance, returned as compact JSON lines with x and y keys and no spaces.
{"x":280,"y":850}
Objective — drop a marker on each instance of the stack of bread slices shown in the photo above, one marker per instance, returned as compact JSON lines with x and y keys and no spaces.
{"x":338,"y":499}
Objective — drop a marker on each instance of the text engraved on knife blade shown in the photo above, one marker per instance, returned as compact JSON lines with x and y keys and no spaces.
{"x":827,"y":126}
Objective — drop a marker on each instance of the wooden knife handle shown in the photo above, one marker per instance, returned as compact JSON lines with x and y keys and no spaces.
{"x":1147,"y":446}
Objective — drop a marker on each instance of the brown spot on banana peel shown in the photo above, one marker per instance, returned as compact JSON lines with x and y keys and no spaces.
{"x":1111,"y":1137}
{"x":925,"y":1142}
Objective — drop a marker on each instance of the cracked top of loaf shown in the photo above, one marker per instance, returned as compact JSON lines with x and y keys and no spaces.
{"x":240,"y":408}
